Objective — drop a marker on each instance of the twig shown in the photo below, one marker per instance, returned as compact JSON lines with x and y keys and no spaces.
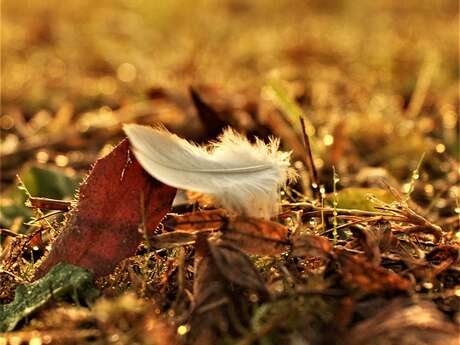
{"x":314,"y":180}
{"x":356,"y":221}
{"x":8,"y":232}
{"x":423,"y":229}
{"x":315,"y":210}
{"x":388,"y":217}
{"x":33,"y":221}
{"x":19,"y":279}
{"x":49,"y":204}
{"x":417,"y":219}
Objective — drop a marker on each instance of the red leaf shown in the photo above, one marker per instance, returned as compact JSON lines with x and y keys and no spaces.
{"x":103,"y":227}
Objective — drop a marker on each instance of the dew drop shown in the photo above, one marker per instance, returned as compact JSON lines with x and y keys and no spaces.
{"x":322,"y":190}
{"x":428,"y":285}
{"x":183,"y":329}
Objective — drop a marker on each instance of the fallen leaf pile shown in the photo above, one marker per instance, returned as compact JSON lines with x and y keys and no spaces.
{"x":220,"y":272}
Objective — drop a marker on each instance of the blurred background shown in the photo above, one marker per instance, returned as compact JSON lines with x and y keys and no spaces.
{"x":108,"y":52}
{"x":377,"y":81}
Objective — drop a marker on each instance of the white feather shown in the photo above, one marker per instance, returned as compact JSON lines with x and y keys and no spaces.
{"x":241,"y":176}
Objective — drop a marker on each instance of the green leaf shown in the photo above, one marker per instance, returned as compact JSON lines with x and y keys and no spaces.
{"x":45,"y":182}
{"x":361,"y":198}
{"x":9,"y":212}
{"x":49,"y":183}
{"x":62,"y":281}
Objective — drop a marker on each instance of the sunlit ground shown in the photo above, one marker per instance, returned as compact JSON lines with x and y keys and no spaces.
{"x":377,"y":82}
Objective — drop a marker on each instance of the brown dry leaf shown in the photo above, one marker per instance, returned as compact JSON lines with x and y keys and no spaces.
{"x":375,"y":239}
{"x":359,"y":273}
{"x":236,"y":266}
{"x":443,"y":253}
{"x":437,"y":261}
{"x":172,"y":239}
{"x":195,"y":221}
{"x":11,"y":272}
{"x":312,"y":245}
{"x":211,"y":299}
{"x":49,"y":204}
{"x":257,"y":236}
{"x":441,"y":258}
{"x":116,"y":199}
{"x":36,"y":240}
{"x":212,"y":120}
{"x":403,"y":323}
{"x":433,"y":230}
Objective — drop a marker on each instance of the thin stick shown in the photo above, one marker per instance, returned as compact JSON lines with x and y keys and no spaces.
{"x":45,"y":216}
{"x":19,"y":279}
{"x":357,"y":221}
{"x":312,"y":210}
{"x":49,"y":204}
{"x":8,"y":232}
{"x":311,"y":164}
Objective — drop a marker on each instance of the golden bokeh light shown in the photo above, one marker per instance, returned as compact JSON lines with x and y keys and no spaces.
{"x":126,"y":72}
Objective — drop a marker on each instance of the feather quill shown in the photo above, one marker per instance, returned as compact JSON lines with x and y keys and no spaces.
{"x":243,"y":177}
